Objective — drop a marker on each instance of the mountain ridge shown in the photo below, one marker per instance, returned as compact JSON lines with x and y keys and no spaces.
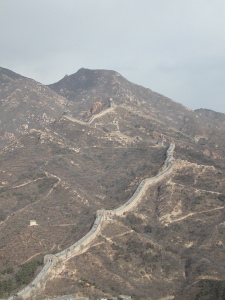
{"x":92,"y":153}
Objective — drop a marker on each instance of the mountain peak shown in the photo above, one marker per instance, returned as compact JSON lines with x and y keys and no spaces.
{"x":74,"y":86}
{"x":89,"y":73}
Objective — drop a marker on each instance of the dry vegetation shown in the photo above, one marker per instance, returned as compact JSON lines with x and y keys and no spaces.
{"x":171,"y":244}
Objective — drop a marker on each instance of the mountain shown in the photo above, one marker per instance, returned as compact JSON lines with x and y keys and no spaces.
{"x":26,"y":104}
{"x":86,"y":87}
{"x":102,"y":136}
{"x":211,"y":118}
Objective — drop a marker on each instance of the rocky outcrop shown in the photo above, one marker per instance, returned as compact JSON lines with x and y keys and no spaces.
{"x":93,"y":110}
{"x":7,"y":135}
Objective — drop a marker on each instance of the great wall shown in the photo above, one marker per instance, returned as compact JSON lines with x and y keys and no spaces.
{"x":111,"y":107}
{"x":51,"y":260}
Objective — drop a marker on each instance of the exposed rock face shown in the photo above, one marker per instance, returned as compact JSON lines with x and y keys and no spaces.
{"x":7,"y":135}
{"x":96,"y":106}
{"x":94,"y":109}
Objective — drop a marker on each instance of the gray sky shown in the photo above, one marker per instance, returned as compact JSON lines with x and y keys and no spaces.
{"x":174,"y":47}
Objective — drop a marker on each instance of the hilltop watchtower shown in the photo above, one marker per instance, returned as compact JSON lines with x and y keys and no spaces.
{"x":33,"y":223}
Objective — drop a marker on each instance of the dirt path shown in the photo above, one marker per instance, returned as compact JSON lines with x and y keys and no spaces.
{"x":197,"y":189}
{"x":195,"y":213}
{"x":28,"y":182}
{"x":31,"y":204}
{"x":109,"y":239}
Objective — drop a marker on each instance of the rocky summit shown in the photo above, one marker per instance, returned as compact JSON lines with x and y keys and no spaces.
{"x":75,"y":153}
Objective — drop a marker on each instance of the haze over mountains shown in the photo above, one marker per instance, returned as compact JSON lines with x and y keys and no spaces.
{"x":85,"y":143}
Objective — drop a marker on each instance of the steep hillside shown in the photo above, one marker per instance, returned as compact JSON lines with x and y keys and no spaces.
{"x":211,"y":118}
{"x":26,"y":104}
{"x":86,"y":146}
{"x":86,"y":88}
{"x":172,"y":241}
{"x":89,"y":86}
{"x":59,"y":177}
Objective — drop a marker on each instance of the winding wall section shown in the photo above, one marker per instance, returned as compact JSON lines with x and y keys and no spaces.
{"x":111,"y":107}
{"x":50,"y":260}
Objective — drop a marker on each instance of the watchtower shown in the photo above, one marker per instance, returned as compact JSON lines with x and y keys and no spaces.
{"x":33,"y":223}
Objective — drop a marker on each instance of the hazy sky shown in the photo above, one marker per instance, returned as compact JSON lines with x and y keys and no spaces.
{"x":174,"y":47}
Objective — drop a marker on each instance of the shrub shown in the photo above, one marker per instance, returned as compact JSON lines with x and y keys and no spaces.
{"x":26,"y":272}
{"x":2,"y":216}
{"x":6,"y":286}
{"x":221,"y":197}
{"x":148,"y":228}
{"x":212,"y":289}
{"x":73,"y":229}
{"x":46,"y":184}
{"x":7,"y":271}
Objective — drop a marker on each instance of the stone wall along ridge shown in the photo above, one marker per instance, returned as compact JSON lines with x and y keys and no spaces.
{"x":51,"y":260}
{"x":144,"y":185}
{"x":102,"y":113}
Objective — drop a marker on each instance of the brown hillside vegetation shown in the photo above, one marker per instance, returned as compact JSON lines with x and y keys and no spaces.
{"x":58,"y":170}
